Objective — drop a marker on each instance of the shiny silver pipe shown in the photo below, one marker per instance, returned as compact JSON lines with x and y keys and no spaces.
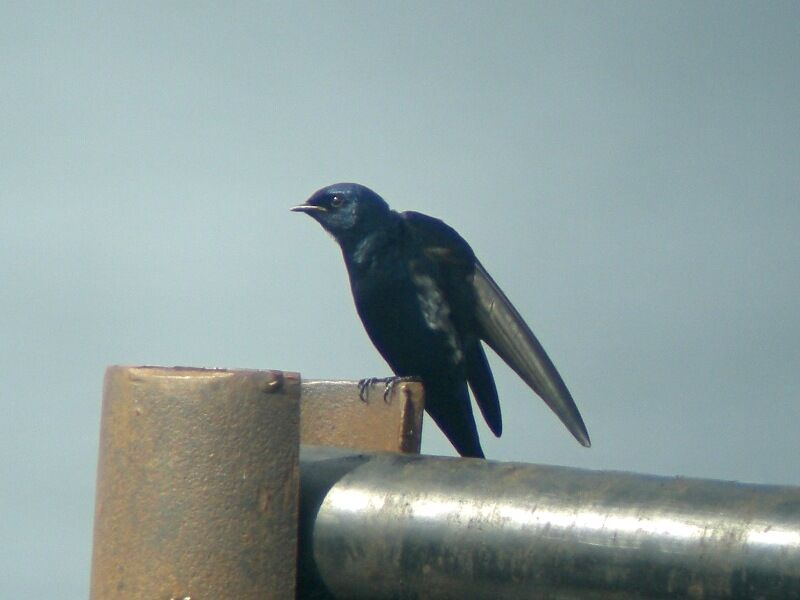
{"x":403,"y":526}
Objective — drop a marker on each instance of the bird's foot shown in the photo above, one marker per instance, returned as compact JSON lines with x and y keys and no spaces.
{"x":389,"y":383}
{"x":364,"y":385}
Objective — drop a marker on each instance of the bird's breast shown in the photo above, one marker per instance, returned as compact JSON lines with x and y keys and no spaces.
{"x":407,"y":317}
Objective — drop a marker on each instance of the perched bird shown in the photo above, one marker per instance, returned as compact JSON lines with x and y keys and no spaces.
{"x":427,"y":303}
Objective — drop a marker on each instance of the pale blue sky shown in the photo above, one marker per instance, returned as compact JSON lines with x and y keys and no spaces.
{"x":628,"y":172}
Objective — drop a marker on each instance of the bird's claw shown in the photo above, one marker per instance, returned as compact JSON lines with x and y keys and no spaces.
{"x":363,"y":387}
{"x":389,"y":384}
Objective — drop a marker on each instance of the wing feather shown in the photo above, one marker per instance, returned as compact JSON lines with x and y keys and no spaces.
{"x":481,"y":382}
{"x":506,"y":332}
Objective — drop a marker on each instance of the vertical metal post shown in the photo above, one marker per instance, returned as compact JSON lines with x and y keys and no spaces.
{"x":197,"y":486}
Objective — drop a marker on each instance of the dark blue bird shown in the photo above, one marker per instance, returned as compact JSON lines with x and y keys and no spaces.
{"x":427,"y":303}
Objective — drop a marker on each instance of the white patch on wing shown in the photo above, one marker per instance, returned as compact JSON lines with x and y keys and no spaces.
{"x":436,"y":312}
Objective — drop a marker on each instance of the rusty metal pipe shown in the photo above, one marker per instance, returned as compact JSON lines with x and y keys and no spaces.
{"x":197,"y":485}
{"x":395,"y":526}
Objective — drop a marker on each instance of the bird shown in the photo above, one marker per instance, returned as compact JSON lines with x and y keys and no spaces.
{"x":428,"y":305}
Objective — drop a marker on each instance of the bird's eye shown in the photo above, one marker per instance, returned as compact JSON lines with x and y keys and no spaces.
{"x":337,"y":201}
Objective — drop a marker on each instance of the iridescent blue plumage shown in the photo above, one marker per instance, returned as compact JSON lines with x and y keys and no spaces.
{"x":426,"y":303}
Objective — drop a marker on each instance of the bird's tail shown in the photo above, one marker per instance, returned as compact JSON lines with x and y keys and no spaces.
{"x":453,"y":414}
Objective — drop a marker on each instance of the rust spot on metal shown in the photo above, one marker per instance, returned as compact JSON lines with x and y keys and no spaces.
{"x":275,"y":384}
{"x":263,"y":499}
{"x":412,"y":421}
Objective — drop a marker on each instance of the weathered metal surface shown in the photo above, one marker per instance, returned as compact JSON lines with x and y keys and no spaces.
{"x":333,"y":414}
{"x":395,"y":526}
{"x":197,"y":485}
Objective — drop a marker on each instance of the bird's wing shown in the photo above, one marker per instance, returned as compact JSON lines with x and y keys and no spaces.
{"x":438,"y":240}
{"x":506,"y":332}
{"x":449,"y":256}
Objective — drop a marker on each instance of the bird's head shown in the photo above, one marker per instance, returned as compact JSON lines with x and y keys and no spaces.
{"x":346,"y":210}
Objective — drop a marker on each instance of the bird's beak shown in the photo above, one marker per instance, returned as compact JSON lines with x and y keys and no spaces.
{"x":308,"y":208}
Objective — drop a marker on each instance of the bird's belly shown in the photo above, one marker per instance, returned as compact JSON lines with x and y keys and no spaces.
{"x":399,"y":319}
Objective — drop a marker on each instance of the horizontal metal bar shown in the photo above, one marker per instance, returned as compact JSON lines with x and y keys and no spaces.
{"x":399,"y":526}
{"x":377,"y":418}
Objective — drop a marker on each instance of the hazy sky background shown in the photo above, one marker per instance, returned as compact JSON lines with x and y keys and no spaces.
{"x":629,"y":173}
